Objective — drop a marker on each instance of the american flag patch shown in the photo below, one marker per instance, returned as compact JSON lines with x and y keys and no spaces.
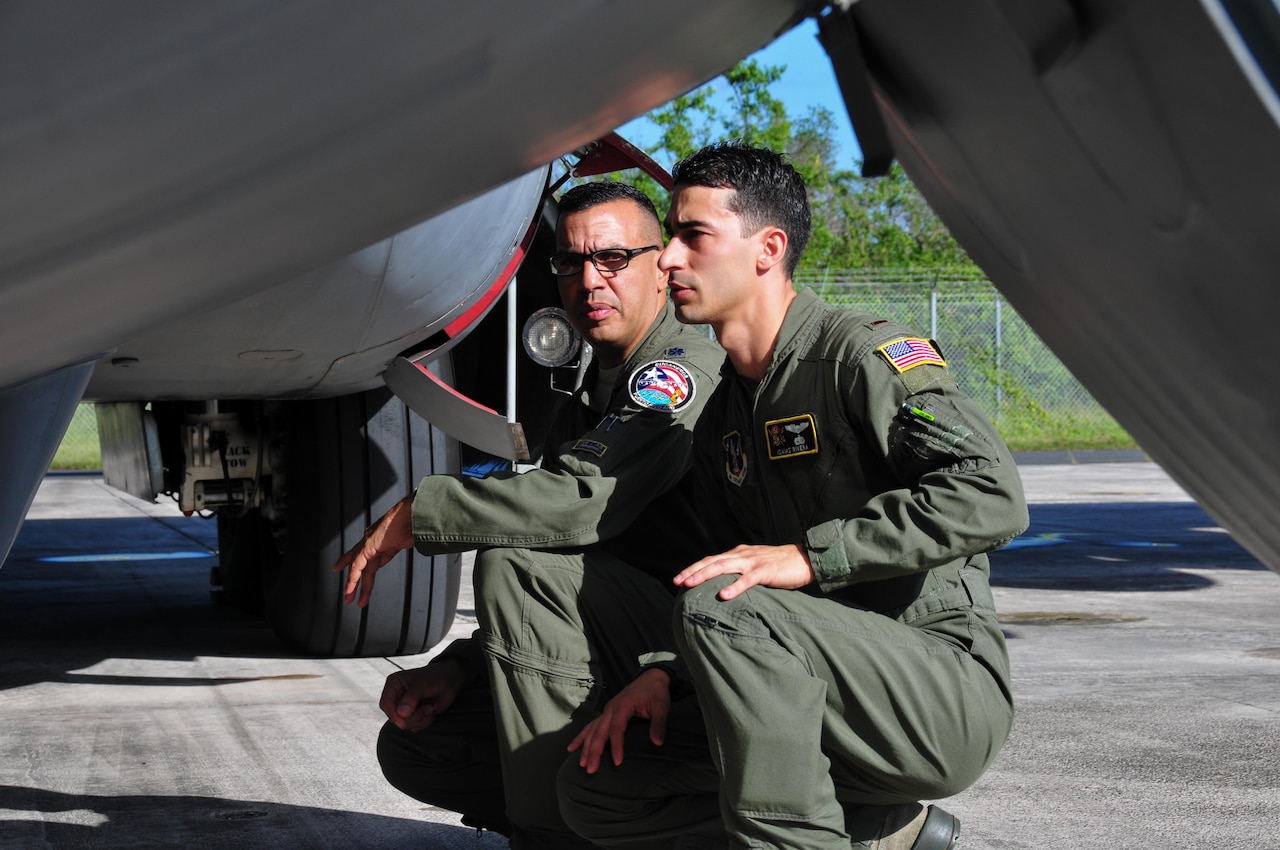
{"x":909,"y":352}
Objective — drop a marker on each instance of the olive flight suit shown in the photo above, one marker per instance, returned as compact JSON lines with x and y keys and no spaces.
{"x":572,"y":583}
{"x":886,"y":681}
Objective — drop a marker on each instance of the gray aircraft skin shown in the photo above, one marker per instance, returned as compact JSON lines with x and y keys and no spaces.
{"x":1112,"y":167}
{"x":270,"y":203}
{"x":161,"y":160}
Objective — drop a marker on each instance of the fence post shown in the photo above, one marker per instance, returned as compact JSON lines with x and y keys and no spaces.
{"x":999,"y":380}
{"x":933,"y":307}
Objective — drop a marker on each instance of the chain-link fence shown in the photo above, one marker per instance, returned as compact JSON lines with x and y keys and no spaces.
{"x":996,"y":358}
{"x":79,"y":448}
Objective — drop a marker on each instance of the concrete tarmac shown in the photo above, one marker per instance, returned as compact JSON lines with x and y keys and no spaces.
{"x":134,"y":713}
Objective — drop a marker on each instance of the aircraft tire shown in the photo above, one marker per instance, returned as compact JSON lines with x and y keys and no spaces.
{"x":348,"y":459}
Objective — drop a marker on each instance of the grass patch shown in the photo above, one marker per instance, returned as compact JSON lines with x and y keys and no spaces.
{"x":79,"y":448}
{"x":1064,"y":432}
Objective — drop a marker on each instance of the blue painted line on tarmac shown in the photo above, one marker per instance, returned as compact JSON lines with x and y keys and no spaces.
{"x":124,"y":556}
{"x":1057,"y":539}
{"x":1025,"y":542}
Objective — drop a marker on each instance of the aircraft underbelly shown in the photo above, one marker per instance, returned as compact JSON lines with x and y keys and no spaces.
{"x":160,"y":158}
{"x":331,"y":331}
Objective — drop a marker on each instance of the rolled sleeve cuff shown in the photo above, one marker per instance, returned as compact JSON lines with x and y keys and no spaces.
{"x":671,"y":664}
{"x":827,"y":556}
{"x":418,"y":515}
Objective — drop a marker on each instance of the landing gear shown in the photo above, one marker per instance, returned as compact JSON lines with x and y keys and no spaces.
{"x":338,"y":464}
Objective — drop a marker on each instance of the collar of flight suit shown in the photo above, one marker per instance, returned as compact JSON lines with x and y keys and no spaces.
{"x":796,"y":331}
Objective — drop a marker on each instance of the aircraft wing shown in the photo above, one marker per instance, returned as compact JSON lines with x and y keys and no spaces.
{"x":1112,"y":166}
{"x":158,"y":156}
{"x":162,"y":159}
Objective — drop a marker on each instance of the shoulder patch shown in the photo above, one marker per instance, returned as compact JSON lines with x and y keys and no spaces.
{"x":735,"y":462}
{"x":662,"y":385}
{"x":910,"y":352}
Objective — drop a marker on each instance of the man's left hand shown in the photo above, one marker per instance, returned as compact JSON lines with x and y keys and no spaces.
{"x":786,"y":567}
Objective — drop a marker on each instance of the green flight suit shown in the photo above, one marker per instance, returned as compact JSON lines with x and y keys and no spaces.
{"x":886,"y":681}
{"x":572,"y":582}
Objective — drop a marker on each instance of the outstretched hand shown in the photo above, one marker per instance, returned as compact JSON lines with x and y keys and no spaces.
{"x":786,"y":567}
{"x":648,"y":696}
{"x":382,"y":541}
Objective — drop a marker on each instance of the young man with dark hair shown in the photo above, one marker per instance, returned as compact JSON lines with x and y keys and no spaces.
{"x":844,"y":651}
{"x":573,"y":573}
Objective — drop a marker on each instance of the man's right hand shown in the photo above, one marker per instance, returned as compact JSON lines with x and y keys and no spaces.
{"x":382,"y":541}
{"x":412,"y":699}
{"x":648,"y":696}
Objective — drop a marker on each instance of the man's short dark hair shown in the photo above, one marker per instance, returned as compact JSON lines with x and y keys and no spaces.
{"x":768,"y":191}
{"x":588,"y":195}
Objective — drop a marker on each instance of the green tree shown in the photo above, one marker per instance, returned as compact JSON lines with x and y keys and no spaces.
{"x":687,"y":124}
{"x":884,"y":222}
{"x":754,"y":114}
{"x":858,"y":222}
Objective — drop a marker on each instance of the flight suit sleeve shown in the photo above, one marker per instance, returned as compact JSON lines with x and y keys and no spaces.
{"x":589,"y":492}
{"x":959,"y":491}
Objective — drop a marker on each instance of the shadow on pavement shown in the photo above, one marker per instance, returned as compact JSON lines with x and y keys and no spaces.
{"x":72,"y":821}
{"x":1121,"y":546}
{"x":76,"y":592}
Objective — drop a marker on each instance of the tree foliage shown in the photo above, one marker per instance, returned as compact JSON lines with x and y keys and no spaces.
{"x":858,"y":222}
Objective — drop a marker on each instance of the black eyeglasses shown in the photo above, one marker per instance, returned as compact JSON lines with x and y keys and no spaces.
{"x":606,"y":260}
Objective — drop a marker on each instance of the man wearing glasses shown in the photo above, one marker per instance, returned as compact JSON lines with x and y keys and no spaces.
{"x":575,"y":561}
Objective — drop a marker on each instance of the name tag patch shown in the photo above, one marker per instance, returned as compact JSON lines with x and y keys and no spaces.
{"x":595,"y":447}
{"x":735,"y":462}
{"x":910,"y":352}
{"x":662,"y":385}
{"x":794,"y":436}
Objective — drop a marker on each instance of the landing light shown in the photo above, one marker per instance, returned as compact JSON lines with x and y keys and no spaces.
{"x":549,"y":338}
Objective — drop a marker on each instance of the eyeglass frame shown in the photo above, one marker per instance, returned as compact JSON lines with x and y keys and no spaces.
{"x":631,"y":254}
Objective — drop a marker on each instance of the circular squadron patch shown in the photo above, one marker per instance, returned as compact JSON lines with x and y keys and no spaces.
{"x":662,"y":385}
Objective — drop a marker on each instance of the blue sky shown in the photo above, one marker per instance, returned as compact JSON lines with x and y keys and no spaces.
{"x":808,"y":81}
